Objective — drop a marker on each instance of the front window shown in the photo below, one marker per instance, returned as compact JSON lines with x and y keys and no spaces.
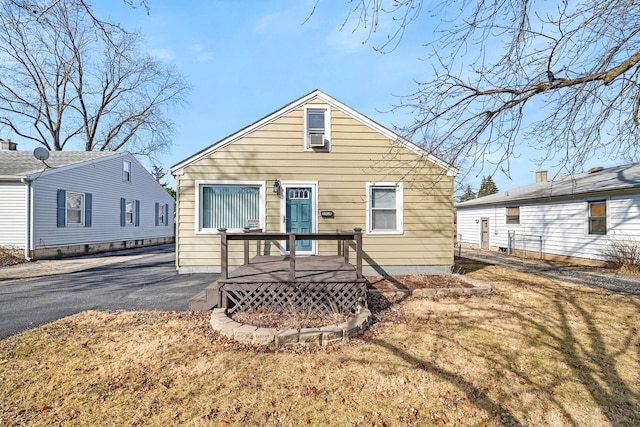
{"x":513,"y":215}
{"x":75,"y":204}
{"x":598,"y":217}
{"x":232,"y":206}
{"x":384,"y":208}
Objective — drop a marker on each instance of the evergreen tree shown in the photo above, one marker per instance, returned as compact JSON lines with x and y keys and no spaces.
{"x":487,"y":187}
{"x":469,"y":194}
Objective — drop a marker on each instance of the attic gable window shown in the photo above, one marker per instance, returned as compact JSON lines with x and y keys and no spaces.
{"x":317,"y":127}
{"x":126,"y":171}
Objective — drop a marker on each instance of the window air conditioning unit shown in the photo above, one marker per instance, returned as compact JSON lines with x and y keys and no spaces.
{"x":316,"y":140}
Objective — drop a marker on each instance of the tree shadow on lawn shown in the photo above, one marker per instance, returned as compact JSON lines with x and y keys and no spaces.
{"x":571,"y":327}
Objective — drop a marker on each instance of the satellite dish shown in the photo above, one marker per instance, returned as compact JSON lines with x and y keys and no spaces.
{"x":41,"y":153}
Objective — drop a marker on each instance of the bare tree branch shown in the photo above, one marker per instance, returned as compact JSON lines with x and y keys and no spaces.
{"x":68,"y":77}
{"x":560,"y":77}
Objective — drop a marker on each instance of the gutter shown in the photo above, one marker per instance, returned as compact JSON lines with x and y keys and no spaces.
{"x":29,"y":219}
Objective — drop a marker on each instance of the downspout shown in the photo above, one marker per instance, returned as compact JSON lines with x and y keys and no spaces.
{"x":176,"y":222}
{"x":29,"y":219}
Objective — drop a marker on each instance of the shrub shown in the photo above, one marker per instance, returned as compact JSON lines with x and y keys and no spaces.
{"x":10,"y":256}
{"x":623,"y":254}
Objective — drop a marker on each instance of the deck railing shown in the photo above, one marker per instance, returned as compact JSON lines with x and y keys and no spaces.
{"x":342,"y":237}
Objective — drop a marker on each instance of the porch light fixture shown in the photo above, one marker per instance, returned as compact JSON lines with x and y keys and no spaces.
{"x":276,"y":186}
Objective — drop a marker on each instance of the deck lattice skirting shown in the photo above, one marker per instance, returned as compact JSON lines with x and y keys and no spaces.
{"x":294,"y":297}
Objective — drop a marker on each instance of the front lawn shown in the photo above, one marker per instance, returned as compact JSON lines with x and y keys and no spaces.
{"x":537,"y":352}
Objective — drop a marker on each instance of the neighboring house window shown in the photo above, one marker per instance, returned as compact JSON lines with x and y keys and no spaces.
{"x":513,"y":215}
{"x":231,"y":205}
{"x":126,"y":171}
{"x":74,"y":209}
{"x":162,"y":214}
{"x":385,"y":208}
{"x":598,"y":217}
{"x":317,"y":127}
{"x":75,"y":204}
{"x":129,"y":212}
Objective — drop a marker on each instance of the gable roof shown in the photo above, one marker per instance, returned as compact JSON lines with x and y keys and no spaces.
{"x":316,"y":94}
{"x":599,"y":180}
{"x":22,"y":164}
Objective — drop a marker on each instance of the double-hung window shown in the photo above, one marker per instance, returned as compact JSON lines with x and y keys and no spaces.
{"x":384,"y":208}
{"x":317,"y":127}
{"x":233,"y":205}
{"x":126,"y":171}
{"x":129,"y":212}
{"x":75,"y":207}
{"x":598,"y":217}
{"x":513,"y":215}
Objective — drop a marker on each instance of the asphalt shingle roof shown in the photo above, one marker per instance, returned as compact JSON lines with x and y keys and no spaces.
{"x":607,"y":179}
{"x":23,"y":163}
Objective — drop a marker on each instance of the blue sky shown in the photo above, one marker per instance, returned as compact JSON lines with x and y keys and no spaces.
{"x":247,"y":59}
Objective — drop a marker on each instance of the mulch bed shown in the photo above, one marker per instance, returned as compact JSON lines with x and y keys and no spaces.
{"x":416,"y":281}
{"x":315,"y":320}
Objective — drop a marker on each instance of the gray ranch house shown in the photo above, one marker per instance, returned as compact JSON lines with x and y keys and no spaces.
{"x":79,"y":202}
{"x":574,"y":217}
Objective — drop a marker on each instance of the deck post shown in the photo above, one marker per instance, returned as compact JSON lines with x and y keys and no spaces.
{"x":358,"y":232}
{"x":246,"y":248}
{"x":340,"y":244}
{"x":292,"y":256}
{"x":223,"y":253}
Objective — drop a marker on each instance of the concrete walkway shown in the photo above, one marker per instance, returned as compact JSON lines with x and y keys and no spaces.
{"x":39,"y":292}
{"x":589,"y":276}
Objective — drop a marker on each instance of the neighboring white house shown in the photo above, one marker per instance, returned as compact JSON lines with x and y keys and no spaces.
{"x":574,"y":216}
{"x":80,"y":202}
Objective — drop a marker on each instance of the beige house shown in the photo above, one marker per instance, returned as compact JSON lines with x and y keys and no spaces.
{"x":316,"y":165}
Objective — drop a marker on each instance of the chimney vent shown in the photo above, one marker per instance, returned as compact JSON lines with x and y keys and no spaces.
{"x":541,"y":176}
{"x":8,"y":145}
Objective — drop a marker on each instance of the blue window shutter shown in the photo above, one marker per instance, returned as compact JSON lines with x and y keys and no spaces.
{"x":166,"y":214}
{"x":137,"y":213}
{"x":62,"y":208}
{"x":157,"y":212}
{"x":123,"y":212}
{"x":87,"y":209}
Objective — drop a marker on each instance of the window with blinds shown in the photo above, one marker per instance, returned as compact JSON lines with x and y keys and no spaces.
{"x":598,"y":217}
{"x":230,"y":206}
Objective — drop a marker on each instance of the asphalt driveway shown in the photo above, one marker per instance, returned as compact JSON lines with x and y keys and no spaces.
{"x":35,"y":293}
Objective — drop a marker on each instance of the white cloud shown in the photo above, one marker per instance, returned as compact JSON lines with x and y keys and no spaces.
{"x":164,"y":54}
{"x":202,"y":55}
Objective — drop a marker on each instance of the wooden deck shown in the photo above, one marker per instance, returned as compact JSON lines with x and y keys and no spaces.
{"x":262,"y":269}
{"x":299,"y":282}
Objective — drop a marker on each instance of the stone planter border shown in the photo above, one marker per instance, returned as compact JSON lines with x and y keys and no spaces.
{"x":248,"y":334}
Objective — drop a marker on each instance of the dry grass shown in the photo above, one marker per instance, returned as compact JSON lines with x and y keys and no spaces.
{"x":538,"y":352}
{"x":9,"y":256}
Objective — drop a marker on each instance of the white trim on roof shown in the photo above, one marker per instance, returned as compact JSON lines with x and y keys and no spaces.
{"x":177,"y":169}
{"x":80,"y":163}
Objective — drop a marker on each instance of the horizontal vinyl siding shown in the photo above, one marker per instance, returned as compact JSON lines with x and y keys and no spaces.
{"x":563,"y":225}
{"x":13,"y":215}
{"x":104,"y":181}
{"x":358,"y":155}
